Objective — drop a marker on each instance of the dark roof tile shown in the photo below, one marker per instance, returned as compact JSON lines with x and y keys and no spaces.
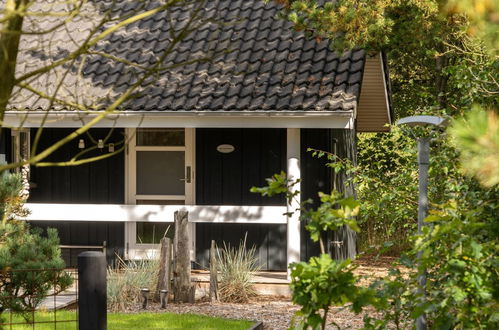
{"x":260,"y":64}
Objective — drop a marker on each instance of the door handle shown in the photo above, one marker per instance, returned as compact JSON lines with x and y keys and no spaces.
{"x":188,"y":175}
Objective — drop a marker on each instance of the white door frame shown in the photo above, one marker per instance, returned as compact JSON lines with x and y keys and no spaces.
{"x":132,"y":248}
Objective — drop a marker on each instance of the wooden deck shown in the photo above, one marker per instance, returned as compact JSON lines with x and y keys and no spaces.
{"x":266,"y":283}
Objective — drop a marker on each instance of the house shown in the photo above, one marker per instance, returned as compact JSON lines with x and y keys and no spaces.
{"x":198,"y":136}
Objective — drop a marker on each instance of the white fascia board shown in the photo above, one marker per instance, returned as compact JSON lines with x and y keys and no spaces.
{"x":188,"y":119}
{"x":385,"y":88}
{"x":155,"y":213}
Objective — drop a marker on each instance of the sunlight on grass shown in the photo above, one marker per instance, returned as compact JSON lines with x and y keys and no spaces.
{"x":120,"y":321}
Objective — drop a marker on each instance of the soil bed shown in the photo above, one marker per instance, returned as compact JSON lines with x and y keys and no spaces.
{"x":276,"y":312}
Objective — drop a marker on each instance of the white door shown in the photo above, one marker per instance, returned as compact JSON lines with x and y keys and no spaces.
{"x":160,"y":172}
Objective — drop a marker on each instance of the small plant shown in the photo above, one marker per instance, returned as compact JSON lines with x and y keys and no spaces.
{"x":30,"y":263}
{"x":322,"y":283}
{"x":237,"y":267}
{"x":126,"y":279}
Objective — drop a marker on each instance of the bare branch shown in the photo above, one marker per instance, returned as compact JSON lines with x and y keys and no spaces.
{"x":93,"y":41}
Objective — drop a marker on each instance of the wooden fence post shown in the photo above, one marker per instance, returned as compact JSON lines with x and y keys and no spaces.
{"x":164,"y":268}
{"x":182,"y":288}
{"x":213,"y":273}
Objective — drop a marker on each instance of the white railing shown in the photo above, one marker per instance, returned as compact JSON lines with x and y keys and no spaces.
{"x":156,"y":213}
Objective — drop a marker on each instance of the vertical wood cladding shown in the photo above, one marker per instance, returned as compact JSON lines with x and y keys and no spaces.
{"x":346,"y":147}
{"x":86,"y":233}
{"x":317,"y":177}
{"x":269,"y":240}
{"x":99,"y":182}
{"x":225,"y":179}
{"x":6,"y":143}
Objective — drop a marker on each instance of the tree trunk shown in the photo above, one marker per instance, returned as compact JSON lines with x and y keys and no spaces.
{"x":182,"y":290}
{"x":213,"y":273}
{"x":165,"y":265}
{"x":9,"y":48}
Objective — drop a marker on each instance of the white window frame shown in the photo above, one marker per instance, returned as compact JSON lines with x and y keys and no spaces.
{"x":19,"y":155}
{"x":16,"y":145}
{"x":133,"y":249}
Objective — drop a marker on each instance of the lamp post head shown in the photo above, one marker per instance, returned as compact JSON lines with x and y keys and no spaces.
{"x":423,"y":121}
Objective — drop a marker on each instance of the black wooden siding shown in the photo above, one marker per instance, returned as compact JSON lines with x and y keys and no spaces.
{"x":221,"y":179}
{"x":346,"y":147}
{"x":225,"y":179}
{"x":317,"y":177}
{"x":99,"y":182}
{"x":90,"y":233}
{"x":6,"y":144}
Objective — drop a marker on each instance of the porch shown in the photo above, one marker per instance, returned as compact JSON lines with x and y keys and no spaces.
{"x":129,"y":199}
{"x":264,"y":282}
{"x":118,"y":225}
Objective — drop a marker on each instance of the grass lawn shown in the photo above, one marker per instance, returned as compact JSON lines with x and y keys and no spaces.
{"x":116,"y":321}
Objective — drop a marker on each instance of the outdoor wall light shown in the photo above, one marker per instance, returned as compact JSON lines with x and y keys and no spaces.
{"x":100,"y":144}
{"x":111,"y":147}
{"x":423,"y":165}
{"x":145,"y":296}
{"x":81,"y":144}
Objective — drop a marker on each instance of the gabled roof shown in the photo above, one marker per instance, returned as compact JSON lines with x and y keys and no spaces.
{"x":261,"y":62}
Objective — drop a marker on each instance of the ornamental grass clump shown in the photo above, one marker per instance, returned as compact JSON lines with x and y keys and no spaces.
{"x":125,"y":280}
{"x":236,"y":267}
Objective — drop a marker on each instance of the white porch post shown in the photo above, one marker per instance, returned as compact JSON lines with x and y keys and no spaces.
{"x":294,"y":173}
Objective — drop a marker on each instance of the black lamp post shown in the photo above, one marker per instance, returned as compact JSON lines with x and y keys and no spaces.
{"x":145,"y":297}
{"x":423,"y":164}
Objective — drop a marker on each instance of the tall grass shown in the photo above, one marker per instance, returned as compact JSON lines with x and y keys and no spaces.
{"x":237,"y":266}
{"x":125,"y":280}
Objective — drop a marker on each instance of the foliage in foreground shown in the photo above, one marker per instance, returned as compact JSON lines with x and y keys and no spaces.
{"x":460,"y":255}
{"x":125,"y":281}
{"x":477,"y":137}
{"x":237,"y":266}
{"x":120,"y":321}
{"x":321,"y":283}
{"x":457,"y":249}
{"x":23,"y":248}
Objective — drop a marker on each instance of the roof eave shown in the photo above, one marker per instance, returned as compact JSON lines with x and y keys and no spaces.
{"x":197,"y":119}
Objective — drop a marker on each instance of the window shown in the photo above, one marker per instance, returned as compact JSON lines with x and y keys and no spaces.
{"x":174,"y":137}
{"x":160,"y":172}
{"x":153,"y":232}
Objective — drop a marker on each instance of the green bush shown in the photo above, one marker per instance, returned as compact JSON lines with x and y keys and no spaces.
{"x":321,"y":283}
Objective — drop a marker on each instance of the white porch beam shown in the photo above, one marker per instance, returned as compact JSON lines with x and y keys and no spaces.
{"x":189,"y":119}
{"x":294,"y":173}
{"x":155,"y":213}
